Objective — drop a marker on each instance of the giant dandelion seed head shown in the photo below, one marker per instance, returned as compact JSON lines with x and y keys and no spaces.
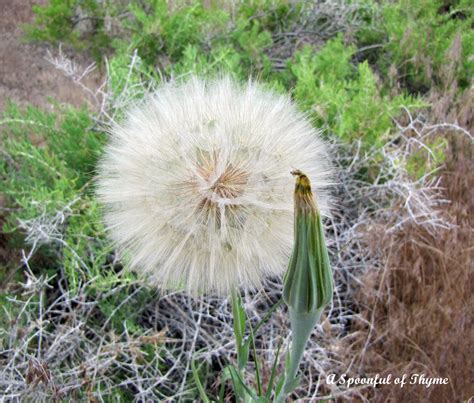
{"x":196,"y":184}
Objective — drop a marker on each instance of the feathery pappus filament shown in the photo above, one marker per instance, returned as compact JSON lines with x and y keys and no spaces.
{"x":196,"y":188}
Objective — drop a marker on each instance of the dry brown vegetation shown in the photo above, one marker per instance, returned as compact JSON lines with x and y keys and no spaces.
{"x":420,"y":303}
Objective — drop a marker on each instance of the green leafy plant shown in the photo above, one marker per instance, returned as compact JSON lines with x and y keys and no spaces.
{"x":346,"y":99}
{"x":418,"y":40}
{"x":81,"y":24}
{"x":47,"y":180}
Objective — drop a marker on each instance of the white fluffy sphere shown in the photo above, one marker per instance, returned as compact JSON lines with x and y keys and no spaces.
{"x":196,"y":184}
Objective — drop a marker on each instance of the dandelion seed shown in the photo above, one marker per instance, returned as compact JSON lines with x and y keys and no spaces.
{"x":195,"y":184}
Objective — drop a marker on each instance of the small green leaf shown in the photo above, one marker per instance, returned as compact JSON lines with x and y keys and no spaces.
{"x":240,"y":386}
{"x":279,"y":386}
{"x":199,"y":385}
{"x":226,"y":375}
{"x":257,"y":369}
{"x":273,"y":373}
{"x":267,"y":315}
{"x":243,"y":355}
{"x":239,"y":317}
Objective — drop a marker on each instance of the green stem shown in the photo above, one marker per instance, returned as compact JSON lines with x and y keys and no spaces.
{"x":239,"y":320}
{"x":302,"y":324}
{"x":235,"y":301}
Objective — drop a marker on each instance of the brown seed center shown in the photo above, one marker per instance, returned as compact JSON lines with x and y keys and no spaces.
{"x":218,"y":192}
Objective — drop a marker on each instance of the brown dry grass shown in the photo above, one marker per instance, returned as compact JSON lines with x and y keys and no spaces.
{"x":421,"y":303}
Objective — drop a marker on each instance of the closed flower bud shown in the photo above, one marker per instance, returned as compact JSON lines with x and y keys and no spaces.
{"x":308,"y":285}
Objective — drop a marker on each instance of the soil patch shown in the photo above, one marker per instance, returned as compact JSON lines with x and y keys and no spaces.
{"x":26,"y":77}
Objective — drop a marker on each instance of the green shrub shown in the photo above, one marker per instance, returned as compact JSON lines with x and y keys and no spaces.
{"x":78,"y":23}
{"x":47,"y":179}
{"x":346,"y":99}
{"x":425,"y":42}
{"x":158,"y":29}
{"x":165,"y":34}
{"x":220,"y":59}
{"x":53,"y":151}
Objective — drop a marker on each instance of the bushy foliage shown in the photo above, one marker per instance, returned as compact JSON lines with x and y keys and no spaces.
{"x":54,"y":152}
{"x":164,"y":33}
{"x":410,"y":38}
{"x":157,"y":30}
{"x":47,"y":179}
{"x":420,"y":39}
{"x":79,"y":23}
{"x":345,"y":98}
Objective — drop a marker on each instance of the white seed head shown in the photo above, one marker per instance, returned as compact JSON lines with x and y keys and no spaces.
{"x":197,"y":188}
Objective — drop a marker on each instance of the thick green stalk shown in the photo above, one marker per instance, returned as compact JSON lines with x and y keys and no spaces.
{"x":302,"y":325}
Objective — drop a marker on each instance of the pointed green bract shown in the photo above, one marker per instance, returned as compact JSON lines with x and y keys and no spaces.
{"x":308,"y":284}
